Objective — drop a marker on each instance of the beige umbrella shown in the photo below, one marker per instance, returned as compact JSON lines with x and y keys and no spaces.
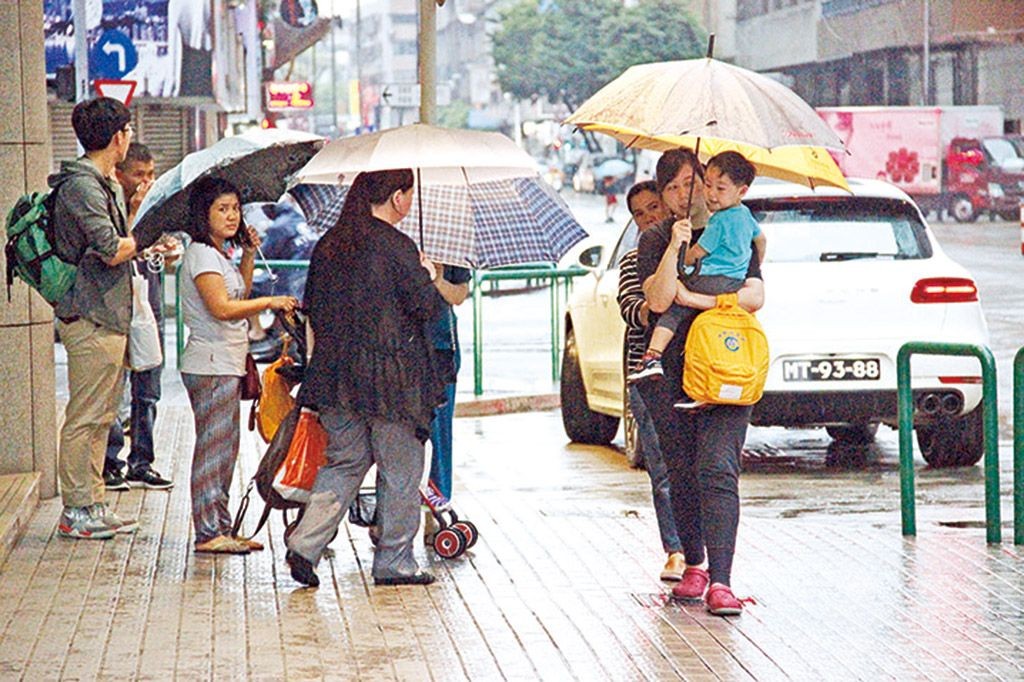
{"x":710,"y":106}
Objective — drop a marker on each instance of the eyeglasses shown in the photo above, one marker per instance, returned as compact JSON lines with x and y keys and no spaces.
{"x":128,"y":129}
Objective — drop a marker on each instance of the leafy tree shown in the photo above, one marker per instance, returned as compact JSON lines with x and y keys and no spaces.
{"x":568,"y":49}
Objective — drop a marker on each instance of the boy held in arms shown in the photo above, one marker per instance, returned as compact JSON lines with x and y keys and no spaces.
{"x":724,"y":251}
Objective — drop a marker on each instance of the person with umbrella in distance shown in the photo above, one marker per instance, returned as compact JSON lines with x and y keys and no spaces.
{"x":371,"y":297}
{"x":701,"y":447}
{"x":215,"y":305}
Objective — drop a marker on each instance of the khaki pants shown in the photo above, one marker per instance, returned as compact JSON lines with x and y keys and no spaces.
{"x":95,"y":382}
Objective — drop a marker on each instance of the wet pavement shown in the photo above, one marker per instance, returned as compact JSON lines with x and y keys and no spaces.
{"x":563,"y":583}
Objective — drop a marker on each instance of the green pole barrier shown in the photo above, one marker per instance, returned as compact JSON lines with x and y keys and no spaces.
{"x":553,"y":296}
{"x":478,"y":351}
{"x":905,"y":403}
{"x":991,"y":428}
{"x":1018,"y":448}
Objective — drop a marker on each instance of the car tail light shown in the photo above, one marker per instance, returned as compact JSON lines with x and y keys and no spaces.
{"x":960,"y":380}
{"x":944,"y":290}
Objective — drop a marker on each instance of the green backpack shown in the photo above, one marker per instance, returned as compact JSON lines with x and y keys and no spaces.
{"x":30,"y":249}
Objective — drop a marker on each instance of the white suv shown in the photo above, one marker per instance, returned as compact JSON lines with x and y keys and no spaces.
{"x":848,"y":280}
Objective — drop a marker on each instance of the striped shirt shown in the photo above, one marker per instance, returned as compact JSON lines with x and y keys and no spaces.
{"x":631,"y":298}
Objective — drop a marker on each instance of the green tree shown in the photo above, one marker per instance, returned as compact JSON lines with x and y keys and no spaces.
{"x":568,"y":49}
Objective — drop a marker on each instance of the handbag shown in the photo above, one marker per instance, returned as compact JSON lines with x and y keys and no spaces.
{"x":275,"y":400}
{"x":144,"y":336}
{"x":306,"y":454}
{"x":251,"y":385}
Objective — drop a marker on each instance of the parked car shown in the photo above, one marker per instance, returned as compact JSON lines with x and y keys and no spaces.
{"x":849,"y":280}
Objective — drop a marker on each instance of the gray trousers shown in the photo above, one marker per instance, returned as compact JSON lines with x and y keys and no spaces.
{"x":354,"y":443}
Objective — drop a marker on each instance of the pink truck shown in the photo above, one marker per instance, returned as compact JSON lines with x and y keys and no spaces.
{"x":946,"y":157}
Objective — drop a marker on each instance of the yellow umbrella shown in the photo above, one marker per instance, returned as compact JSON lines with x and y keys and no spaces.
{"x":711,"y":107}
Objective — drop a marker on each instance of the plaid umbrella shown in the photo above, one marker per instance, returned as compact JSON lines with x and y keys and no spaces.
{"x":476,"y":225}
{"x":483,"y":203}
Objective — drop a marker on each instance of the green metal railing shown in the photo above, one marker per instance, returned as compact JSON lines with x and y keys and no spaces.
{"x":991,"y":430}
{"x":1018,"y":448}
{"x":559,"y":279}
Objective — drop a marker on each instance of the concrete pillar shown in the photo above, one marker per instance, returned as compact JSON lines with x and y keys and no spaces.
{"x":28,"y":418}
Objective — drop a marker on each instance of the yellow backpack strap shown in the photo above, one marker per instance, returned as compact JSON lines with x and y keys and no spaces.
{"x":728,"y":300}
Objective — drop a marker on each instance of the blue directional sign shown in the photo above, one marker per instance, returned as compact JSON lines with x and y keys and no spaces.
{"x":112,"y":56}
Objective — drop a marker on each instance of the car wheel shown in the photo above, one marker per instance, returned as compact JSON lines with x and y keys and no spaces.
{"x":582,"y":425}
{"x":962,"y":209}
{"x":858,"y":433}
{"x":953,"y":442}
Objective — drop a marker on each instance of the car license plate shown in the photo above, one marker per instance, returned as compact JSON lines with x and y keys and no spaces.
{"x":832,"y":369}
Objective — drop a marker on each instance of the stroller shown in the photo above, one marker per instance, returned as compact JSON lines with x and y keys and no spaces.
{"x":454,"y":535}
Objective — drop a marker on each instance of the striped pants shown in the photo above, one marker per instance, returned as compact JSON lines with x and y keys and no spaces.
{"x":215,"y":406}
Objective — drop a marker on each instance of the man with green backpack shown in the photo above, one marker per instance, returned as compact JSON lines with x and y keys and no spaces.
{"x":89,"y":228}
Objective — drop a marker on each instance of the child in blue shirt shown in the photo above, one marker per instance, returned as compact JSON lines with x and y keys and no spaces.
{"x":723,"y":251}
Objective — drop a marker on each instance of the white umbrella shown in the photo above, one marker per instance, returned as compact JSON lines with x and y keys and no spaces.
{"x":444,"y":156}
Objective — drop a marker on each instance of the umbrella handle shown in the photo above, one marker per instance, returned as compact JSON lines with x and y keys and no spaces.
{"x":270,"y":273}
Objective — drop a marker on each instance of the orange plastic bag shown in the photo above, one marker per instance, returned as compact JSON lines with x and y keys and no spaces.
{"x":306,"y":454}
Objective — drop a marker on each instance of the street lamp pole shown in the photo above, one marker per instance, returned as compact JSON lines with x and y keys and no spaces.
{"x":427,"y":62}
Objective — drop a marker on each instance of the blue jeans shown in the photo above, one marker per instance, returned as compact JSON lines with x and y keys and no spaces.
{"x":441,"y":437}
{"x":657,"y":470}
{"x":145,"y":395}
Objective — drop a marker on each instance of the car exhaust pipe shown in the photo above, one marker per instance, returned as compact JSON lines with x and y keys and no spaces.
{"x":952,"y":403}
{"x":929,"y":404}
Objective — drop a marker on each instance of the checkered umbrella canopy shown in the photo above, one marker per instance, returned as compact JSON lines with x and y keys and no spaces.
{"x":476,"y":225}
{"x":483,"y":203}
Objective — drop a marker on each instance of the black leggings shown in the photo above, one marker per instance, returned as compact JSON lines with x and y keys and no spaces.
{"x":702,"y":452}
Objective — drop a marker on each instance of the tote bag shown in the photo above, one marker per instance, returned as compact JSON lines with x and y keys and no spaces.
{"x":144,"y":337}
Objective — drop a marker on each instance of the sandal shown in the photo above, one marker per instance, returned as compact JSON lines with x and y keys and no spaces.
{"x":417,"y":578}
{"x":222,"y":544}
{"x":253,"y":545}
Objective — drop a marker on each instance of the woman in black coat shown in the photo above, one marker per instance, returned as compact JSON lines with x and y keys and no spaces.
{"x":369,"y":296}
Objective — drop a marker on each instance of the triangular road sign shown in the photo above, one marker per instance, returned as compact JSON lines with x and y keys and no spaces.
{"x":119,"y":90}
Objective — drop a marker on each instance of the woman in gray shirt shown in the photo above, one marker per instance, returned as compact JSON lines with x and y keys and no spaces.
{"x":215,"y":304}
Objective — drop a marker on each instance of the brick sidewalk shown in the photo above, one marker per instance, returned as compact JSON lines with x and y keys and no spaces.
{"x":562,"y":585}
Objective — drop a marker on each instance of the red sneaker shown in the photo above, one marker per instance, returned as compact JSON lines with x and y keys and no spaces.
{"x":692,"y":586}
{"x":721,"y":601}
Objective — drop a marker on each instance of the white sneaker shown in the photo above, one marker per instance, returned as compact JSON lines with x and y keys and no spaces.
{"x":81,"y":524}
{"x":112,"y":520}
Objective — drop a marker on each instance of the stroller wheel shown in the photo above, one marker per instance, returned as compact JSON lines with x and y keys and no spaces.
{"x":450,"y":543}
{"x":469,"y":530}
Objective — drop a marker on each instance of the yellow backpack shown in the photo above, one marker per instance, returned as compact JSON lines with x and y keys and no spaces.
{"x":726,"y":356}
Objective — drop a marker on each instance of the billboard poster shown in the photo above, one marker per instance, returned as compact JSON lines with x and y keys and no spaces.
{"x":164,"y":45}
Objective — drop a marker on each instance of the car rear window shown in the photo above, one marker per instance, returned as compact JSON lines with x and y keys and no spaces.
{"x":837,"y":230}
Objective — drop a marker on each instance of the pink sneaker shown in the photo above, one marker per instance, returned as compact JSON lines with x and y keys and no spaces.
{"x":721,"y":601}
{"x":692,"y":586}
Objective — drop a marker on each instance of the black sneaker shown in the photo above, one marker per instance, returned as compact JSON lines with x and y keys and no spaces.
{"x":147,"y":478}
{"x":113,"y":480}
{"x":302,"y":569}
{"x":649,"y":368}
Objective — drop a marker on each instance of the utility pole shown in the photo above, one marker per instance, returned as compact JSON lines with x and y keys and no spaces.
{"x":427,"y":62}
{"x":926,"y":55}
